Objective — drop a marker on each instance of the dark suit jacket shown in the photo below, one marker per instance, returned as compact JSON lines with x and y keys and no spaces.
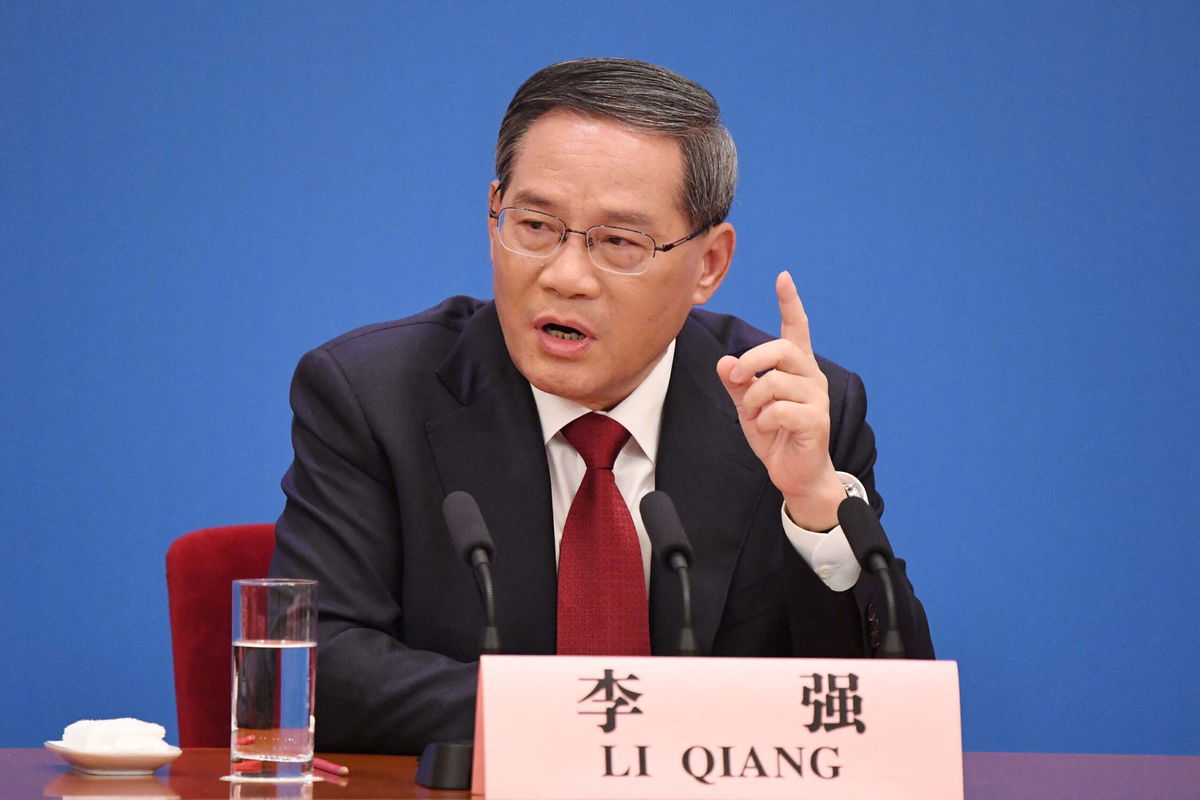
{"x":390,"y":418}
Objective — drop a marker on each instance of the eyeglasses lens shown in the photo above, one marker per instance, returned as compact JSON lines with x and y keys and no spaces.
{"x":537,"y":234}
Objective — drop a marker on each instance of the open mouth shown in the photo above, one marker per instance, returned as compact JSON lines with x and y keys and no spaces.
{"x":563,"y":332}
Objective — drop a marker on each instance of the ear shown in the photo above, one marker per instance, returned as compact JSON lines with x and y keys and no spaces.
{"x":492,"y":199}
{"x":715,"y":260}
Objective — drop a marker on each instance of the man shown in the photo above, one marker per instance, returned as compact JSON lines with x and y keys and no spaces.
{"x":607,"y":226}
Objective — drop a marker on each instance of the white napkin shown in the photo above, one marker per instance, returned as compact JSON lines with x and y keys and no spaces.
{"x":126,"y":735}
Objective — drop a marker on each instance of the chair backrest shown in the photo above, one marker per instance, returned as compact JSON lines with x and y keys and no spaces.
{"x":201,"y":567}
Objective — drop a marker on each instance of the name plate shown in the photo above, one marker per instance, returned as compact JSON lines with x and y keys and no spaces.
{"x":598,"y":727}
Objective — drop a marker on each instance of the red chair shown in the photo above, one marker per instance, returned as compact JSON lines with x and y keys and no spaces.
{"x":201,"y":567}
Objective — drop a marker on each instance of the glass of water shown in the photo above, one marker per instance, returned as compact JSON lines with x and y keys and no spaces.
{"x":274,"y":675}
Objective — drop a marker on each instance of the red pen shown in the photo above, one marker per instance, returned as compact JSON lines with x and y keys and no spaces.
{"x":330,"y":767}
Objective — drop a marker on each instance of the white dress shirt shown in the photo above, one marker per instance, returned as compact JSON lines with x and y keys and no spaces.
{"x":640,"y":413}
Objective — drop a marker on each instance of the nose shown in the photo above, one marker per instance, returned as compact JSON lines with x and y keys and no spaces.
{"x":569,"y":271}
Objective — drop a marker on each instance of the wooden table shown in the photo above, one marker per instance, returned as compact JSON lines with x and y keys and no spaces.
{"x":197,"y":774}
{"x":38,"y":773}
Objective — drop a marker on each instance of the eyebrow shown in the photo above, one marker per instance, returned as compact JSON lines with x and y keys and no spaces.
{"x":634,"y":219}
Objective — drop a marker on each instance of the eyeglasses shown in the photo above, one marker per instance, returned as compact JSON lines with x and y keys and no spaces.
{"x":527,"y":232}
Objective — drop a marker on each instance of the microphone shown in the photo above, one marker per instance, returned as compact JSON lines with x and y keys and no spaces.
{"x":870,"y":545}
{"x":669,"y":542}
{"x":474,"y":545}
{"x":447,"y":765}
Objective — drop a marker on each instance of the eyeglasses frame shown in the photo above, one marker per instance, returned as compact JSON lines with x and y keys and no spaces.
{"x":666,"y":248}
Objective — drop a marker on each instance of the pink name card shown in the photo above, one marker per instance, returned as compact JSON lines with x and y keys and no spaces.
{"x":596,"y":727}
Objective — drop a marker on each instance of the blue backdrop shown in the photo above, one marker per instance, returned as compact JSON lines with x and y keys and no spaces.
{"x":992,"y":212}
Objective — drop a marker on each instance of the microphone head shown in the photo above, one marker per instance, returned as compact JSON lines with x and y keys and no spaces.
{"x":865,"y":535}
{"x":664,"y":528}
{"x":466,"y":524}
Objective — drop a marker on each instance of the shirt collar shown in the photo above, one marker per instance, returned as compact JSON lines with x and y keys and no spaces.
{"x":640,"y":412}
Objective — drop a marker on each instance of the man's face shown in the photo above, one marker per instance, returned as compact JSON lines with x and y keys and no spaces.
{"x":595,"y":171}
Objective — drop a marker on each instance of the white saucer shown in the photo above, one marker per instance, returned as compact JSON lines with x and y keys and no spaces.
{"x":132,"y":763}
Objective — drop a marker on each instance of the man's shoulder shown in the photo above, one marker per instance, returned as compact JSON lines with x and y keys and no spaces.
{"x":445,"y":321}
{"x":420,"y":341}
{"x":402,"y":352}
{"x":397,"y":361}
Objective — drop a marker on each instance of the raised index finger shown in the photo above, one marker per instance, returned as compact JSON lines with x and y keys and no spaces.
{"x":794,"y":322}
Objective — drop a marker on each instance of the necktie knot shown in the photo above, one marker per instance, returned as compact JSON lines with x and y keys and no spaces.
{"x":597,"y":439}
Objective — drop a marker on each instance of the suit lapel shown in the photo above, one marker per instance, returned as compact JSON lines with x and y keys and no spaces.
{"x":709,"y":471}
{"x":492,"y":448}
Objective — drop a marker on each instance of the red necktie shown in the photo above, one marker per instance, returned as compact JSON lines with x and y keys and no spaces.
{"x":601,"y":581}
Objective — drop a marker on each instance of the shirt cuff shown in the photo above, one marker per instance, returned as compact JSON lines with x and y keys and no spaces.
{"x":828,"y":554}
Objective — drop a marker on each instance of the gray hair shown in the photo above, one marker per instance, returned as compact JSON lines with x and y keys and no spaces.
{"x":642,"y":96}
